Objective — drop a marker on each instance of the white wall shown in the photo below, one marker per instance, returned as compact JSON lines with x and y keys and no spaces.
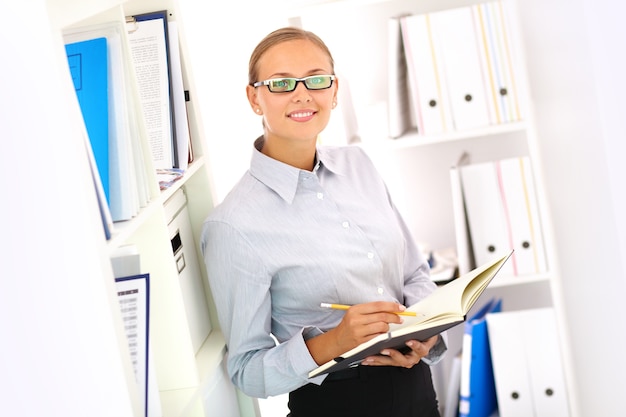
{"x":607,"y":33}
{"x":220,"y":37}
{"x":575,"y":54}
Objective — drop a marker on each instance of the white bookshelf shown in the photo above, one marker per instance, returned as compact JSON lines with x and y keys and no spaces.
{"x":185,"y":376}
{"x":417,"y":166}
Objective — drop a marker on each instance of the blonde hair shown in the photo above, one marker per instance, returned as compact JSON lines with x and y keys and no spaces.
{"x":285,"y":34}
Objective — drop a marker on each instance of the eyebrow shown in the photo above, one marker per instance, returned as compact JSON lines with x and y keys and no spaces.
{"x":317,"y":71}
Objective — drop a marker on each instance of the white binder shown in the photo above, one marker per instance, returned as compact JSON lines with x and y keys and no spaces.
{"x":485,"y":213}
{"x":399,"y":110}
{"x":502,"y":214}
{"x":465,"y":257}
{"x":545,"y":363}
{"x":496,"y":57}
{"x":527,"y":364}
{"x":429,"y":95}
{"x":523,"y":214}
{"x":458,"y":46}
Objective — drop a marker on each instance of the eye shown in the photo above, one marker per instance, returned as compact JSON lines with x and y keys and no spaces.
{"x":280,"y":84}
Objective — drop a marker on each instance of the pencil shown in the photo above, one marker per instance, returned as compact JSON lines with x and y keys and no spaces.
{"x":345,"y":307}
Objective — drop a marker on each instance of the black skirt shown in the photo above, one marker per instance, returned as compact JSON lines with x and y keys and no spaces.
{"x":368,"y":391}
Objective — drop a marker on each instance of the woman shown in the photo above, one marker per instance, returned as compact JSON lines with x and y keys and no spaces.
{"x":309,"y":225}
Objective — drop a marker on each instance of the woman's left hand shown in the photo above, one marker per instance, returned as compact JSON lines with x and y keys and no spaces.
{"x":392,"y":357}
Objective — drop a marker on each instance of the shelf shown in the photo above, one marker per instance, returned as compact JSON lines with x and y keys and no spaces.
{"x":210,"y":353}
{"x":124,"y":229}
{"x":413,"y":139}
{"x":501,"y":281}
{"x":180,"y":402}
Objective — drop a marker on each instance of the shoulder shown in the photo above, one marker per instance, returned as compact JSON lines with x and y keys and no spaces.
{"x":343,"y":151}
{"x":345,"y":158}
{"x":236,"y":202}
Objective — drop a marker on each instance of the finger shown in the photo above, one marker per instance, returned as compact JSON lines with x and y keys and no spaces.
{"x":356,"y":317}
{"x":380,"y":306}
{"x":419,"y":348}
{"x":373,"y":329}
{"x":392,"y":357}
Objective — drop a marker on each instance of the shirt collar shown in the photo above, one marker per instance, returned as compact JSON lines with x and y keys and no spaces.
{"x":283,"y":178}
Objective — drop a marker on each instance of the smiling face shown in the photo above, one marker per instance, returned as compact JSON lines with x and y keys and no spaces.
{"x":297,"y":117}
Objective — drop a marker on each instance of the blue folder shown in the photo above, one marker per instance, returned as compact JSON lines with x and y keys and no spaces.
{"x":88,"y":62}
{"x":481,"y":400}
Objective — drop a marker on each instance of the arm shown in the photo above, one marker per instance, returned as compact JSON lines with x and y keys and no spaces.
{"x":240,"y":287}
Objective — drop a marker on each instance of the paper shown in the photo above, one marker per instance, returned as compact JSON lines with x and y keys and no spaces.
{"x":132,"y":293}
{"x":149,"y":53}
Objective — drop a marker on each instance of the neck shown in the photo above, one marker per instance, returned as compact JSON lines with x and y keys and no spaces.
{"x":299,"y":154}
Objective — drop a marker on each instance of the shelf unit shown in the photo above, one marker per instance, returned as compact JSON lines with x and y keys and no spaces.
{"x":417,"y":166}
{"x":185,"y":376}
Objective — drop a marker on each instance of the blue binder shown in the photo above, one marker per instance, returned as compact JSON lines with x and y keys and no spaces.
{"x":478,"y":389}
{"x":88,"y":62}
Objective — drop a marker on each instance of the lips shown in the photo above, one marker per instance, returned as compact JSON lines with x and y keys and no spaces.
{"x":301,"y":115}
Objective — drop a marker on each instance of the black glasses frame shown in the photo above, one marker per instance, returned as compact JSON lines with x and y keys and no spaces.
{"x":304,"y":81}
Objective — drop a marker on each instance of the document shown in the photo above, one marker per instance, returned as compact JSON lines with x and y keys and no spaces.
{"x":148,"y":45}
{"x":446,"y":307}
{"x":133,"y":298}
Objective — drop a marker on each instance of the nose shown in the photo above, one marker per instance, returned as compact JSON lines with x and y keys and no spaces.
{"x":301,"y":93}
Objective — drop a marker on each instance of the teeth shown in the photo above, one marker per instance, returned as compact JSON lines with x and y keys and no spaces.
{"x":307,"y":114}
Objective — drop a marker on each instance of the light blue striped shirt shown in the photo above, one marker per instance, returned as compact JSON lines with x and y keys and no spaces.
{"x":283,"y":241}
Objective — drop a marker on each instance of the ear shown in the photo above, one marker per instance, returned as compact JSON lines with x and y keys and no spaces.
{"x":251,"y":92}
{"x":336,"y":87}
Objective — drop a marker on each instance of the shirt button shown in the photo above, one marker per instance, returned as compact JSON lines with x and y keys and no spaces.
{"x":345,"y":225}
{"x":380,"y":290}
{"x":320,"y":196}
{"x":370,"y":255}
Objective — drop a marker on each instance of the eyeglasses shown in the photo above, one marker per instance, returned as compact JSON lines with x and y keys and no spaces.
{"x":285,"y":85}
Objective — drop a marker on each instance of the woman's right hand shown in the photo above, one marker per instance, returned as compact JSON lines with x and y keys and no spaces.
{"x":360,"y":323}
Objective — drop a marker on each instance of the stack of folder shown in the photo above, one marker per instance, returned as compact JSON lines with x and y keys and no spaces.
{"x":527,"y":364}
{"x":129,"y":111}
{"x":457,"y":66}
{"x":496,"y":204}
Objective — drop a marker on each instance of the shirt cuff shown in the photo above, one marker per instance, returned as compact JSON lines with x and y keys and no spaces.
{"x":301,"y":359}
{"x":438,"y":351}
